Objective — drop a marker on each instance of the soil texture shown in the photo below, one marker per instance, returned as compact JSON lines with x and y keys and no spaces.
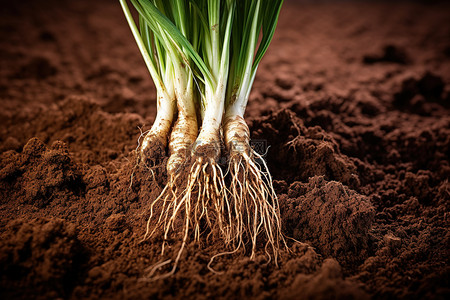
{"x":351,"y":106}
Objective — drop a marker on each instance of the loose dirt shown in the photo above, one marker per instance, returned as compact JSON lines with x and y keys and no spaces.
{"x":351,"y":106}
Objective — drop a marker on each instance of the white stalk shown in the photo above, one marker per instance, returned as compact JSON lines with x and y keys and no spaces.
{"x":212,"y":116}
{"x":165,"y":93}
{"x":215,"y":94}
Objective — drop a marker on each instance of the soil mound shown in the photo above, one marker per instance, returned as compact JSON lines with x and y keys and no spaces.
{"x":350,"y":109}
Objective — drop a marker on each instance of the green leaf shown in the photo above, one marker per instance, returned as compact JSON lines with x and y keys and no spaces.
{"x":162,"y":25}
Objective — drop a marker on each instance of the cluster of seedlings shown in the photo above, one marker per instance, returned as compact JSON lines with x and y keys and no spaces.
{"x":203,"y":56}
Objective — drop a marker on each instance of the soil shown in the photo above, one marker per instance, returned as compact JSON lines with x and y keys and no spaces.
{"x":352,"y":101}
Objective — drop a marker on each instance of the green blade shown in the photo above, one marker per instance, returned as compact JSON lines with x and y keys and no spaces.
{"x":271,"y":12}
{"x":154,"y":17}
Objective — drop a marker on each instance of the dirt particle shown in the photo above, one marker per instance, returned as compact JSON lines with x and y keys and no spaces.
{"x":38,"y":67}
{"x":431,"y":85}
{"x":391,"y":54}
{"x":116,"y":222}
{"x":326,"y":283}
{"x":392,"y":241}
{"x":95,"y":177}
{"x":47,"y":36}
{"x":11,"y":143}
{"x":34,"y":148}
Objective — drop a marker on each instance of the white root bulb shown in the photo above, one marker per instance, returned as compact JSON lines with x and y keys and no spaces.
{"x":154,"y":143}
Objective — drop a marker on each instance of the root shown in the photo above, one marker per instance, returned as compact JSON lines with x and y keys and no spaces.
{"x":181,"y":139}
{"x":139,"y":158}
{"x":202,"y":206}
{"x":169,"y":201}
{"x":207,"y":192}
{"x":254,"y":202}
{"x":197,"y":204}
{"x":172,"y":204}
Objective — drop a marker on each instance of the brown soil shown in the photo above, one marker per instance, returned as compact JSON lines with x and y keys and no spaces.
{"x":352,"y":98}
